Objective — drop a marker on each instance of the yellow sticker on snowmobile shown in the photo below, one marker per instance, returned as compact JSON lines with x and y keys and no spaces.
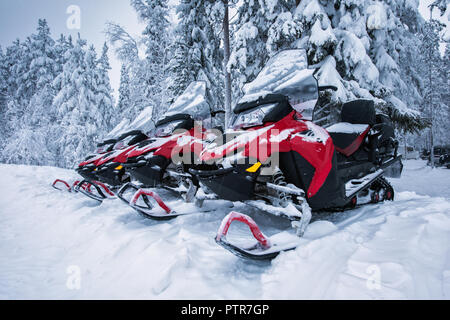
{"x":119,"y":168}
{"x":255,"y":167}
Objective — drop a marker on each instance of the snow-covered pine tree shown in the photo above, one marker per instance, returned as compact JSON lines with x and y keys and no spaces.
{"x":435,"y":84}
{"x":446,"y":74}
{"x":262,"y":28}
{"x":29,"y":141}
{"x":104,"y":95}
{"x":3,"y":97}
{"x":13,"y":109}
{"x":358,"y":45}
{"x":197,"y":53}
{"x":124,"y":90}
{"x":82,"y":121}
{"x":127,"y":50}
{"x":156,"y":37}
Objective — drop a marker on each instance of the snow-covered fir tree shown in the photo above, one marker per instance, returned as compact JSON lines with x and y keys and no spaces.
{"x":156,"y":39}
{"x":124,"y":90}
{"x":104,"y":95}
{"x":435,"y":83}
{"x":29,"y":140}
{"x":3,"y":97}
{"x":127,"y":50}
{"x":197,"y":54}
{"x":79,"y":105}
{"x":358,"y":46}
{"x":262,"y":28}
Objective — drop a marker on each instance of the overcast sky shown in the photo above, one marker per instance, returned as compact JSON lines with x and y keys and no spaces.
{"x":18,"y":19}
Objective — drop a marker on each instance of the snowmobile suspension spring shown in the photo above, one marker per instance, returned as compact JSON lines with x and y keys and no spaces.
{"x":280,"y":180}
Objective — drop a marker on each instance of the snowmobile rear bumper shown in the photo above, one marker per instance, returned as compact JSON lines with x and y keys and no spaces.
{"x":233,"y":184}
{"x":393,"y":167}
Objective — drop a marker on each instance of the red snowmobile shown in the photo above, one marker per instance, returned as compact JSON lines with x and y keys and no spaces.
{"x":100,"y":174}
{"x":277,"y":160}
{"x":164,"y":161}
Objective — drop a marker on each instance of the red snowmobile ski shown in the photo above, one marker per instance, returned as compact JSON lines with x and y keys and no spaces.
{"x":164,"y":161}
{"x":277,"y":160}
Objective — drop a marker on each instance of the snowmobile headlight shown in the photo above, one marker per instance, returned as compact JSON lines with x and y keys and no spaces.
{"x":252,"y":118}
{"x":119,"y":145}
{"x":167,"y":129}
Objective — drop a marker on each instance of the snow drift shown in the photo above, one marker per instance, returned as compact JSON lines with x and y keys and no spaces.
{"x":398,"y":250}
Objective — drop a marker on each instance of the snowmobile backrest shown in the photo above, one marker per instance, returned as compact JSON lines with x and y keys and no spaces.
{"x":359,"y":112}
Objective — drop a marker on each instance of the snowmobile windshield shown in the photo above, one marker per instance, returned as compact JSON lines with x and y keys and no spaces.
{"x":286,"y":74}
{"x":143,"y":123}
{"x":192,"y":102}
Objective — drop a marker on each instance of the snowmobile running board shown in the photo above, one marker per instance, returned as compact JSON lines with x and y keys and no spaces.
{"x":355,"y":186}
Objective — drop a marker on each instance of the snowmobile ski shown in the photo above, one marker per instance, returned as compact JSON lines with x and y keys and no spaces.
{"x":102,"y":192}
{"x":150,"y":205}
{"x":265,"y":248}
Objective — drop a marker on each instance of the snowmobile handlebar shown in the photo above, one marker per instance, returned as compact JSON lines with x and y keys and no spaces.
{"x":215,"y":113}
{"x":323,"y":88}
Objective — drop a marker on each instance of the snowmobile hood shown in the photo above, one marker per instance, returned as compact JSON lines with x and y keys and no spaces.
{"x":286,"y":74}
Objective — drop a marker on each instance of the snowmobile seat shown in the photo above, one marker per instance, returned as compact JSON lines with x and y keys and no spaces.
{"x":348,"y":137}
{"x":357,"y":118}
{"x":359,"y":112}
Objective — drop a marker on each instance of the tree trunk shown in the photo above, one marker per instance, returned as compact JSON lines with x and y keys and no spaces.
{"x":226,"y":46}
{"x":431,"y":98}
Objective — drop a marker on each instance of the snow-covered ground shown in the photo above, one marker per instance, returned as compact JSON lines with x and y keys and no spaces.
{"x":56,"y":245}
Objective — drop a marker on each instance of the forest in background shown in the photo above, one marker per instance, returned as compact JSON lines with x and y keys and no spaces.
{"x":56,"y":101}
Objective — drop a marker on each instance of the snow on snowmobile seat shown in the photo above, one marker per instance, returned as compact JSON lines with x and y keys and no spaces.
{"x":348,"y":137}
{"x":357,"y":118}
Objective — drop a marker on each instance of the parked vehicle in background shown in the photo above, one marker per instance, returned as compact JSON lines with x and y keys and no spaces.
{"x":441,"y":156}
{"x":409,"y":153}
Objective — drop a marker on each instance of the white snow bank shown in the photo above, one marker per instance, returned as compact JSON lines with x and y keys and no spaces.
{"x":48,"y":238}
